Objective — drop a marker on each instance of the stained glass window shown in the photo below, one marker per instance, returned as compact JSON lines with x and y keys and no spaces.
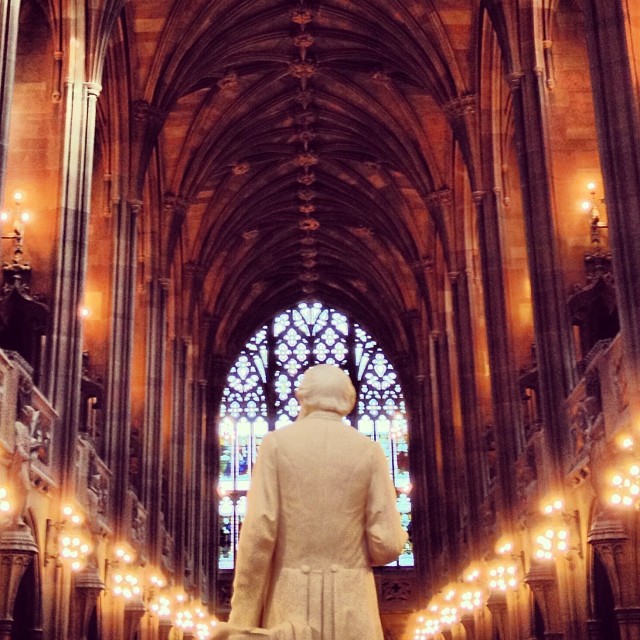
{"x":260,"y":396}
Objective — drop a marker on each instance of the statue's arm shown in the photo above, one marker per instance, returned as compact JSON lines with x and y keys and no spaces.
{"x":385,"y":535}
{"x":257,"y":540}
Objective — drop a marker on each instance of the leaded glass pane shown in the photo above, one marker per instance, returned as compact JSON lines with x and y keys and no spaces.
{"x":299,"y":338}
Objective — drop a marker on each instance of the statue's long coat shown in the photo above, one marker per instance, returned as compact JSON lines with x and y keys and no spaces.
{"x":321,"y":512}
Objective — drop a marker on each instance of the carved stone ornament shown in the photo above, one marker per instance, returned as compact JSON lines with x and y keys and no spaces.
{"x":306,"y":135}
{"x":307,"y":178}
{"x":308,"y":240}
{"x":304,"y":97}
{"x":307,"y":208}
{"x":309,"y":264}
{"x":250,"y":235}
{"x":308,"y":254}
{"x":306,"y":194}
{"x":303,"y":69}
{"x":460,"y":106}
{"x":303,"y":40}
{"x":240,"y":168}
{"x":229,"y":83}
{"x":309,"y":276}
{"x":309,"y":224}
{"x":301,"y":15}
{"x":306,"y":159}
{"x":394,"y":590}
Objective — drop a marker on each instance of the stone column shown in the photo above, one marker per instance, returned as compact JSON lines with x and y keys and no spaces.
{"x":552,"y":325}
{"x":118,"y":405}
{"x":200,"y":480}
{"x":17,"y":550}
{"x":65,"y":356}
{"x":504,"y":391}
{"x":9,"y":14}
{"x":158,"y":294}
{"x":451,"y":469}
{"x":477,"y":481}
{"x":615,"y":93}
{"x":178,"y":473}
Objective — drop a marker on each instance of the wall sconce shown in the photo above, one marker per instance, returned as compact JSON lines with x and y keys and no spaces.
{"x":124,"y":579}
{"x":503,"y":575}
{"x":552,"y":542}
{"x":184,"y":620}
{"x":70,"y":541}
{"x":5,"y":503}
{"x":160,"y":606}
{"x":426,"y":627}
{"x":472,"y":599}
{"x":449,"y":609}
{"x":590,"y":206}
{"x":554,"y":537}
{"x":19,"y":217}
{"x":625,"y":476}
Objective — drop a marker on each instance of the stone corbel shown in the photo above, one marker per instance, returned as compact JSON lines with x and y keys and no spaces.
{"x":542,"y":580}
{"x":468,"y":622}
{"x":88,"y":586}
{"x":133,"y":612}
{"x":164,"y":628}
{"x":497,"y":605}
{"x":609,"y":540}
{"x":17,"y":549}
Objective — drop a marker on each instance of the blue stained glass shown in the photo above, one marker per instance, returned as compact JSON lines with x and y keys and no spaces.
{"x":306,"y":335}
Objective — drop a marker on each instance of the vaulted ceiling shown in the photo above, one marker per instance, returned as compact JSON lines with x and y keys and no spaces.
{"x":298,"y":145}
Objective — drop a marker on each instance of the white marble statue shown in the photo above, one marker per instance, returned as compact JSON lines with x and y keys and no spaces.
{"x":321,"y":512}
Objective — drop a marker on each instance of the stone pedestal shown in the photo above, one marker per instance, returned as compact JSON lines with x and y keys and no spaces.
{"x":17,"y":549}
{"x":133,"y":612}
{"x":543,"y":582}
{"x":88,"y":586}
{"x":497,"y":604}
{"x":164,"y":629}
{"x":469,"y":624}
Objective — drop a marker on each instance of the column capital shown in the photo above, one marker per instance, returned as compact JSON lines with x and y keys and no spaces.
{"x":94,"y":89}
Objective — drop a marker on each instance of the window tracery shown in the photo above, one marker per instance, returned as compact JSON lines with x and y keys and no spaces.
{"x":260,"y":396}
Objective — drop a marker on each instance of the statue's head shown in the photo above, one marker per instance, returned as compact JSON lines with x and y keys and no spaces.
{"x":326,"y":387}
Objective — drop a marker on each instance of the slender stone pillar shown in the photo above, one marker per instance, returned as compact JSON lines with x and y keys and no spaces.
{"x":554,"y":343}
{"x":199,"y":497}
{"x":178,"y":472}
{"x":615,"y":92}
{"x":450,"y":463}
{"x":154,"y":394}
{"x":477,"y":481}
{"x":504,"y":391}
{"x":9,"y":14}
{"x":65,"y":356}
{"x":118,"y":405}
